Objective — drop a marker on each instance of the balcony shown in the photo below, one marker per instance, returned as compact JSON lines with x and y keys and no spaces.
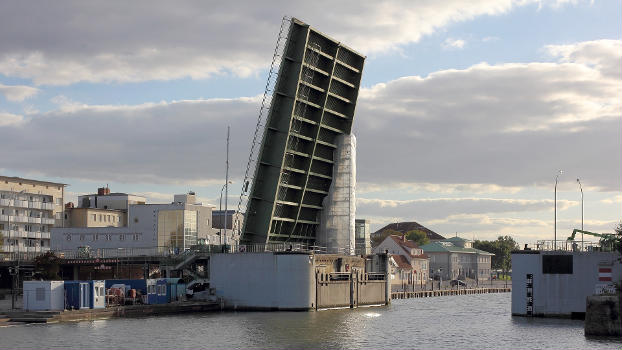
{"x":35,"y":235}
{"x":34,"y":205}
{"x":33,"y":220}
{"x":47,"y":206}
{"x":20,"y":218}
{"x":6,"y":202}
{"x":45,"y":235}
{"x":20,"y":204}
{"x":47,"y":221}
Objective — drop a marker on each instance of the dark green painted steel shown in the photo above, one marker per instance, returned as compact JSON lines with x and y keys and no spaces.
{"x":313,"y":103}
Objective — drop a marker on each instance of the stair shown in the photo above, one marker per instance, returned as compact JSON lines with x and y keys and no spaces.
{"x":33,"y":316}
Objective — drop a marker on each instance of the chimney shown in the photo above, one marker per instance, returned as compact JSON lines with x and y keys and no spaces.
{"x":103,"y":191}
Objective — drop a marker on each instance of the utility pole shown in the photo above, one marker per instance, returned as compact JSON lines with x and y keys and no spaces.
{"x":227,"y":183}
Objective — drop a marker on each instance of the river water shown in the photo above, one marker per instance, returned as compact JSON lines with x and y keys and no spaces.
{"x":453,"y":322}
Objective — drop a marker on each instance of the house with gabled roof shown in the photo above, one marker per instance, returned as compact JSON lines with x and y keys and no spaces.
{"x":455,"y":258}
{"x":407,"y":258}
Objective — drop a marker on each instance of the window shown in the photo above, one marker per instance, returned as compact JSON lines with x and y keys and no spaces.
{"x":28,"y":228}
{"x":136,"y":236}
{"x":95,"y":237}
{"x":100,"y":217}
{"x":108,"y":218}
{"x":59,"y":201}
{"x":121,"y":237}
{"x":108,"y":237}
{"x":68,"y":237}
{"x":94,"y":217}
{"x":557,"y":264}
{"x":40,"y":294}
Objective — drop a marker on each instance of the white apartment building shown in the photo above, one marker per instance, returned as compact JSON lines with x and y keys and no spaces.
{"x":29,"y":209}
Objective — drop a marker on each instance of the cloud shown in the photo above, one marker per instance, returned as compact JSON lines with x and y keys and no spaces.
{"x":72,"y":41}
{"x":434,"y":208}
{"x":414,"y":187}
{"x":17,"y":93}
{"x":487,"y":128}
{"x":511,"y":124}
{"x":178,"y":142}
{"x":451,"y":43}
{"x":10,"y":120}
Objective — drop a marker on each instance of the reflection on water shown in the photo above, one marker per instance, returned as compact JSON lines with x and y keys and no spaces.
{"x":454,"y":322}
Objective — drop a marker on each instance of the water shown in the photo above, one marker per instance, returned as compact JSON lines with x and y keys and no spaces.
{"x":454,"y":322}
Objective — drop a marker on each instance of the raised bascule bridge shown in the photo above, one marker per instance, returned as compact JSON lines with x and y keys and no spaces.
{"x":301,"y":169}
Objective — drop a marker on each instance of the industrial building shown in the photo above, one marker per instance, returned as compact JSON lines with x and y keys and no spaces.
{"x":177,"y":225}
{"x":310,"y":113}
{"x":29,"y":209}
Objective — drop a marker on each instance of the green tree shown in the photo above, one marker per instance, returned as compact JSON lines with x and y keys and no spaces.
{"x":376,"y":240}
{"x":47,"y":266}
{"x":418,"y":236}
{"x":502,"y":248}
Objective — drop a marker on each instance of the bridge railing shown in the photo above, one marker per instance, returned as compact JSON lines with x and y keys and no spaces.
{"x":172,"y":254}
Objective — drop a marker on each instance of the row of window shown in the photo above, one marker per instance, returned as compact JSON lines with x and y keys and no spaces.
{"x":159,"y":289}
{"x":28,"y":213}
{"x":105,"y":218}
{"x":27,"y":228}
{"x":106,"y":237}
{"x":34,"y":185}
{"x":47,"y":199}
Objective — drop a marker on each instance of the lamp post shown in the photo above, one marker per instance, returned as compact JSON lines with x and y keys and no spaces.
{"x":221,"y":224}
{"x":581,"y":188}
{"x":226,"y":184}
{"x":555,"y":224}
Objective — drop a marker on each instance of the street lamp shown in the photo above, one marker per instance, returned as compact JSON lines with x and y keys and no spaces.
{"x":556,"y":180}
{"x":222,"y":189}
{"x":581,"y":188}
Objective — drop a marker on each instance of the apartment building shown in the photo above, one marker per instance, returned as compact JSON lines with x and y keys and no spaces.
{"x":29,"y":209}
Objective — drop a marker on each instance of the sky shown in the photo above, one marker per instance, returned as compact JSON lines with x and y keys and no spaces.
{"x":466,"y":113}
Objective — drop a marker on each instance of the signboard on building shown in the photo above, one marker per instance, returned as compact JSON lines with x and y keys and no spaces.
{"x":601,"y":289}
{"x":529,"y":285}
{"x":604,"y":274}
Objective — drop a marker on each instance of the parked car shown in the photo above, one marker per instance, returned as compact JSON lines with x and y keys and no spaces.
{"x":457,"y":283}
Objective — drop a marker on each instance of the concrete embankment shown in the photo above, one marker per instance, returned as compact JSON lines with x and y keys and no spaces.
{"x":602,"y":315}
{"x":443,"y":292}
{"x":111,"y":312}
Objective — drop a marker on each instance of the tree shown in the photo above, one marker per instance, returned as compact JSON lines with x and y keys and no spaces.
{"x":376,"y":240}
{"x":502,"y":249}
{"x":47,"y":266}
{"x":418,"y":236}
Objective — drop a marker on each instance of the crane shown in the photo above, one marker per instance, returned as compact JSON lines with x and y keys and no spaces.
{"x":601,"y":235}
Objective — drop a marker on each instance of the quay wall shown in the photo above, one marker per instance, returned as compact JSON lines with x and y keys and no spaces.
{"x":561,"y":281}
{"x":602,"y":315}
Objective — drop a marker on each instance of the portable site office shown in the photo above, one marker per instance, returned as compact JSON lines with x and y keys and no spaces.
{"x":85,"y":295}
{"x":43,"y":295}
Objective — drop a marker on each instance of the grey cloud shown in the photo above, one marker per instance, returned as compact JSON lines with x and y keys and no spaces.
{"x":63,"y":42}
{"x":170,"y":143}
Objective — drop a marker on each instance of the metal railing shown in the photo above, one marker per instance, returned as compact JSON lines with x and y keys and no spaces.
{"x":570,"y":246}
{"x":172,"y":255}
